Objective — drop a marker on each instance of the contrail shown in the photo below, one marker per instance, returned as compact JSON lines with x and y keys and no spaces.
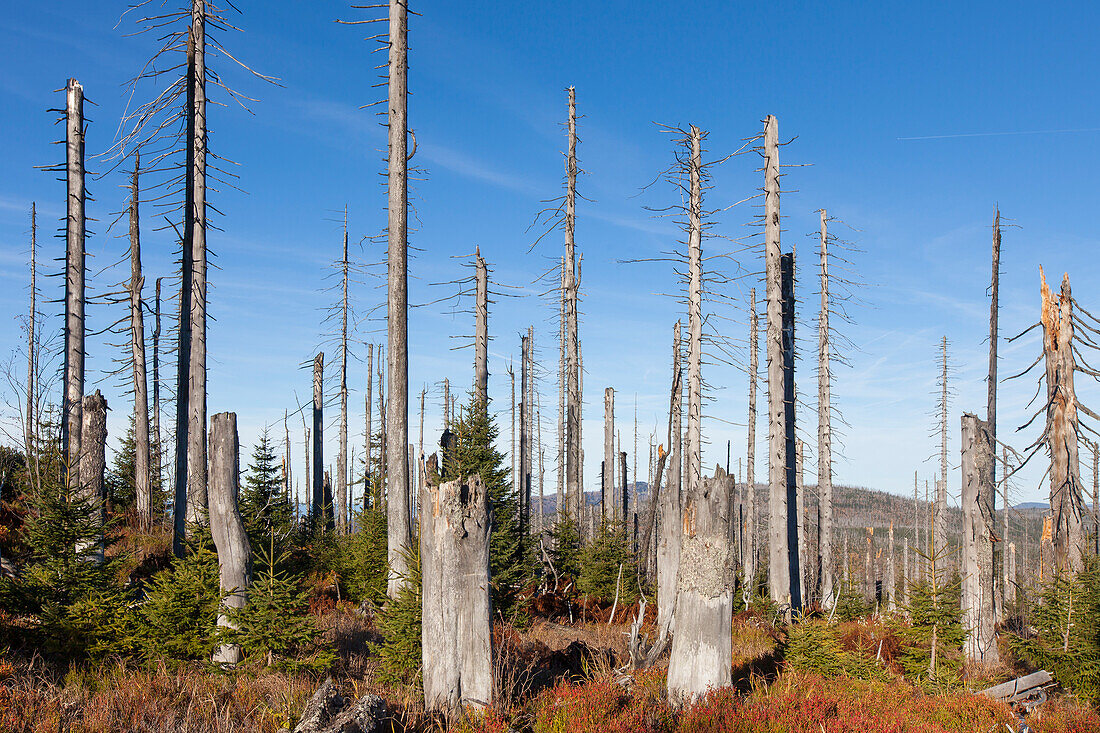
{"x":997,"y":134}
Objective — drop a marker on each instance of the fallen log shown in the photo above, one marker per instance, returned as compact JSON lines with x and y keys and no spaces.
{"x":1021,"y":688}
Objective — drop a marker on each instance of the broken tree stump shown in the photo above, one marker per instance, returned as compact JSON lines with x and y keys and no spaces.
{"x":702,"y":645}
{"x":455,"y":604}
{"x":234,"y":553}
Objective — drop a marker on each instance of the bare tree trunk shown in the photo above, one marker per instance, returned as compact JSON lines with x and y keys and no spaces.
{"x":1006,"y":578}
{"x":529,"y":405}
{"x":31,"y":429}
{"x":369,"y":434}
{"x":559,"y":507}
{"x":143,"y":489}
{"x":908,"y":570}
{"x":789,"y":399}
{"x":939,"y":510}
{"x":1010,"y":578}
{"x":891,"y":572}
{"x":701,"y":658}
{"x":607,"y":500}
{"x":318,"y":511}
{"x":574,"y":468}
{"x":824,"y":425}
{"x":92,"y":463}
{"x":159,"y":454}
{"x":73,"y":395}
{"x":695,"y":317}
{"x":399,"y":532}
{"x":514,"y":455}
{"x":230,"y":539}
{"x":750,"y":459}
{"x":668,"y":543}
{"x":455,"y":602}
{"x":778,"y":561}
{"x":524,"y":468}
{"x":194,"y":235}
{"x":977,"y":592}
{"x":1066,"y":503}
{"x":481,"y":339}
{"x":342,"y":458}
{"x":800,"y":518}
{"x":869,"y":568}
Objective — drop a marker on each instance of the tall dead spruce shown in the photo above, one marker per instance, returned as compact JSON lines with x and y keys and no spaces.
{"x":455,"y":602}
{"x":701,"y":658}
{"x":669,"y":503}
{"x":751,"y":542}
{"x":73,"y":395}
{"x":824,"y":426}
{"x":142,"y":475}
{"x":399,"y":530}
{"x":574,"y":469}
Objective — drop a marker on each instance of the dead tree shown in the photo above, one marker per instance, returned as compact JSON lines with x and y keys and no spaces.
{"x":73,"y":395}
{"x":92,"y":463}
{"x":31,"y":418}
{"x":695,"y":317}
{"x":368,"y":435}
{"x":399,"y":530}
{"x":156,"y":386}
{"x":800,"y":519}
{"x":978,"y":603}
{"x":607,"y":498}
{"x":669,"y":507}
{"x":824,"y":426}
{"x":1062,"y":430}
{"x":750,"y":460}
{"x":939,"y":510}
{"x":1010,"y":577}
{"x":560,"y":507}
{"x":456,"y":608}
{"x":318,"y":511}
{"x":891,"y":571}
{"x":342,"y":457}
{"x":227,"y":527}
{"x":991,"y":381}
{"x":142,"y":478}
{"x":524,"y":466}
{"x":701,"y":658}
{"x":574,"y":468}
{"x":778,"y":544}
{"x":481,"y":338}
{"x":790,"y":505}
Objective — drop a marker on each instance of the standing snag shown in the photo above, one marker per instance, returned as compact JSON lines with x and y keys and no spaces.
{"x":669,"y":503}
{"x":455,"y":600}
{"x":978,"y":604}
{"x":824,"y":427}
{"x":93,"y":461}
{"x":73,"y":394}
{"x":143,"y":489}
{"x":226,"y":525}
{"x":609,"y":504}
{"x":701,"y":657}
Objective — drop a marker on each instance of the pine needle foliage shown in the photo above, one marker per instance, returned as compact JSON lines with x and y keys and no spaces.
{"x":1067,"y":631}
{"x":274,"y":627}
{"x":475,"y":435}
{"x":565,"y":549}
{"x":935,"y":620}
{"x":400,"y":626}
{"x":815,"y":646}
{"x":264,"y":505}
{"x":600,"y":562}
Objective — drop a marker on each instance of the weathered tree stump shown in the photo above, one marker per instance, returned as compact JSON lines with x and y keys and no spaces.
{"x":701,"y":647}
{"x":978,"y":603}
{"x":455,"y":602}
{"x":93,"y":461}
{"x":234,"y":553}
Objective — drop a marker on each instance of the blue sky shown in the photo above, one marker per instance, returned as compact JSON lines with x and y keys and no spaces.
{"x":853,"y":82}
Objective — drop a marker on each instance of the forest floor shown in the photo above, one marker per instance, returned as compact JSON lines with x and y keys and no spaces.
{"x":552,"y":676}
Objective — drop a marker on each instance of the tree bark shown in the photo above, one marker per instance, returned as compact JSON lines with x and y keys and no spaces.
{"x":142,"y":480}
{"x":159,"y":444}
{"x":524,"y":467}
{"x":668,"y":544}
{"x":800,"y":518}
{"x":778,"y":560}
{"x":560,"y":506}
{"x":399,"y":531}
{"x":369,"y":437}
{"x":455,"y":601}
{"x":481,"y":338}
{"x":31,"y":429}
{"x":978,"y":603}
{"x":701,"y":657}
{"x":1066,"y":502}
{"x":824,"y":425}
{"x":227,"y":527}
{"x":891,"y":572}
{"x":73,"y":395}
{"x":93,"y":462}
